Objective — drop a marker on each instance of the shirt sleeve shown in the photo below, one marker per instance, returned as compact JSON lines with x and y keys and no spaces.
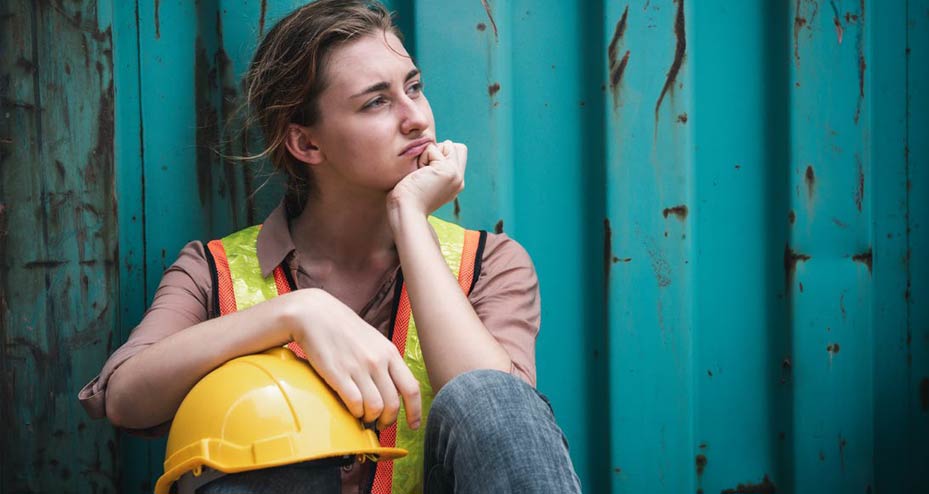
{"x":506,"y":298}
{"x":182,"y":300}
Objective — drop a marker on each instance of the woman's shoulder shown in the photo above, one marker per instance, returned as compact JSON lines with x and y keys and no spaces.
{"x":505,"y":260}
{"x":500,"y":246}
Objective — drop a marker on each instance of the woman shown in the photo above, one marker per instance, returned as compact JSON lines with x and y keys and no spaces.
{"x":343,"y":114}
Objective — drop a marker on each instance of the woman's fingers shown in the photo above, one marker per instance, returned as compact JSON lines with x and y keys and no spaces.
{"x":348,"y":391}
{"x":371,"y":395}
{"x":432,"y":153}
{"x":408,"y":387}
{"x":390,"y":399}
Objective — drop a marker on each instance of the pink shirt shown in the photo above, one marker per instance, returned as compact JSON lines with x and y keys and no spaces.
{"x":505,"y":298}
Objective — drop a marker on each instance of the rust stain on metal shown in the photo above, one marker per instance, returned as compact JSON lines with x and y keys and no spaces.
{"x":682,"y":118}
{"x":764,"y":487}
{"x":839,"y":223}
{"x":810,"y":179}
{"x":481,"y":26}
{"x":157,"y":20}
{"x":679,"y":51}
{"x":457,"y":210}
{"x":490,"y":16}
{"x":791,"y":216}
{"x":832,"y":348}
{"x":680,"y":212}
{"x":924,"y":394}
{"x":835,"y":20}
{"x":799,"y":22}
{"x":801,"y":287}
{"x":624,"y":259}
{"x":864,"y":258}
{"x":701,"y":464}
{"x":842,"y":306}
{"x":842,"y":444}
{"x":498,"y":228}
{"x":791,"y":259}
{"x":660,"y":266}
{"x":822,"y":456}
{"x":859,"y":192}
{"x":617,"y":68}
{"x":861,"y":64}
{"x":493,"y":89}
{"x":261,"y":20}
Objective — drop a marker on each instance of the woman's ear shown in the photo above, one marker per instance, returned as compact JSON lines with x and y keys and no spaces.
{"x":301,"y":145}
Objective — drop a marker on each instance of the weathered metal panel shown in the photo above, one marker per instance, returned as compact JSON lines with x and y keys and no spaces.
{"x":58,"y":250}
{"x":725,"y":203}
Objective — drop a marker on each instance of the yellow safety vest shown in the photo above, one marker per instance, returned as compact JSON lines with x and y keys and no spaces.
{"x":239,"y":284}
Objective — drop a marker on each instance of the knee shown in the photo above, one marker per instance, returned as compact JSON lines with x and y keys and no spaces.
{"x":486,"y":401}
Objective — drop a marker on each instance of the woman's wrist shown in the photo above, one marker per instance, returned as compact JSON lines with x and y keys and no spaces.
{"x":297,"y":311}
{"x":402,"y":211}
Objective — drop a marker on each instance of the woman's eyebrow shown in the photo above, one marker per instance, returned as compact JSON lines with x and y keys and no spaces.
{"x":380,"y":86}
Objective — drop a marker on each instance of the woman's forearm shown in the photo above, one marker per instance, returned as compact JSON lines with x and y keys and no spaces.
{"x":453,"y":338}
{"x":147,"y":389}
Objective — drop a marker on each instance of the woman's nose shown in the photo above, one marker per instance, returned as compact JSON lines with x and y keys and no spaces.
{"x":414,"y":116}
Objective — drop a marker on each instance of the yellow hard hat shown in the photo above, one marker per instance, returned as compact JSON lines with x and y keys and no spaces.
{"x":262,"y":411}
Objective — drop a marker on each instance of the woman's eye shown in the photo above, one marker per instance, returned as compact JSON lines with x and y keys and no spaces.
{"x":415,"y":88}
{"x":376,"y":102}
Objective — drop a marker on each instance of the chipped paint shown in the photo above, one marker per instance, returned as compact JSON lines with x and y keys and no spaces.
{"x":679,"y":212}
{"x":791,"y":259}
{"x":864,"y":258}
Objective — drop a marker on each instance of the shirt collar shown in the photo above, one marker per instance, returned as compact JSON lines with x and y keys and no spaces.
{"x":274,"y":241}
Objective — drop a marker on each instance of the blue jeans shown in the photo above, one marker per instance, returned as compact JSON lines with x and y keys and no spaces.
{"x":488,"y":432}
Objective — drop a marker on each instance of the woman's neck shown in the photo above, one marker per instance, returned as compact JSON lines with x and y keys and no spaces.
{"x":346,"y":230}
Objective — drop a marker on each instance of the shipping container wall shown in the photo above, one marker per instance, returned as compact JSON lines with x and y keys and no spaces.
{"x":726,"y":204}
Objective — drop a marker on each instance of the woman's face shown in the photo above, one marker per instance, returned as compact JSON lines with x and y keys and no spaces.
{"x":371,"y":112}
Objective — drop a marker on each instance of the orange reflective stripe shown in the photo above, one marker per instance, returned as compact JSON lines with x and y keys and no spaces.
{"x":280,"y":280}
{"x":472,"y":239}
{"x":224,"y":288}
{"x":383,"y":475}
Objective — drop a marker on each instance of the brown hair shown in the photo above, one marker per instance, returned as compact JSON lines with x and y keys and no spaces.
{"x":287,"y":75}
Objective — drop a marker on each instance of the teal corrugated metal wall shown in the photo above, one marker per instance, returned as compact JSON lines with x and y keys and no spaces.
{"x":726,"y":203}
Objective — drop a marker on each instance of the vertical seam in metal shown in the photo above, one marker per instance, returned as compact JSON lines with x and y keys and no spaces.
{"x":138,"y":47}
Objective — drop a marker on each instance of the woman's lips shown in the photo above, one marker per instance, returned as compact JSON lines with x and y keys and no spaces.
{"x":417,"y":149}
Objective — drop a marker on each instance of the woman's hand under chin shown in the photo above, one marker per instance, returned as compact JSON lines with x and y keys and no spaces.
{"x":439,"y":179}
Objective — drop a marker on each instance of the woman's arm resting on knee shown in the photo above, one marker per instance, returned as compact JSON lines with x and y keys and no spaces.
{"x":452,"y":336}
